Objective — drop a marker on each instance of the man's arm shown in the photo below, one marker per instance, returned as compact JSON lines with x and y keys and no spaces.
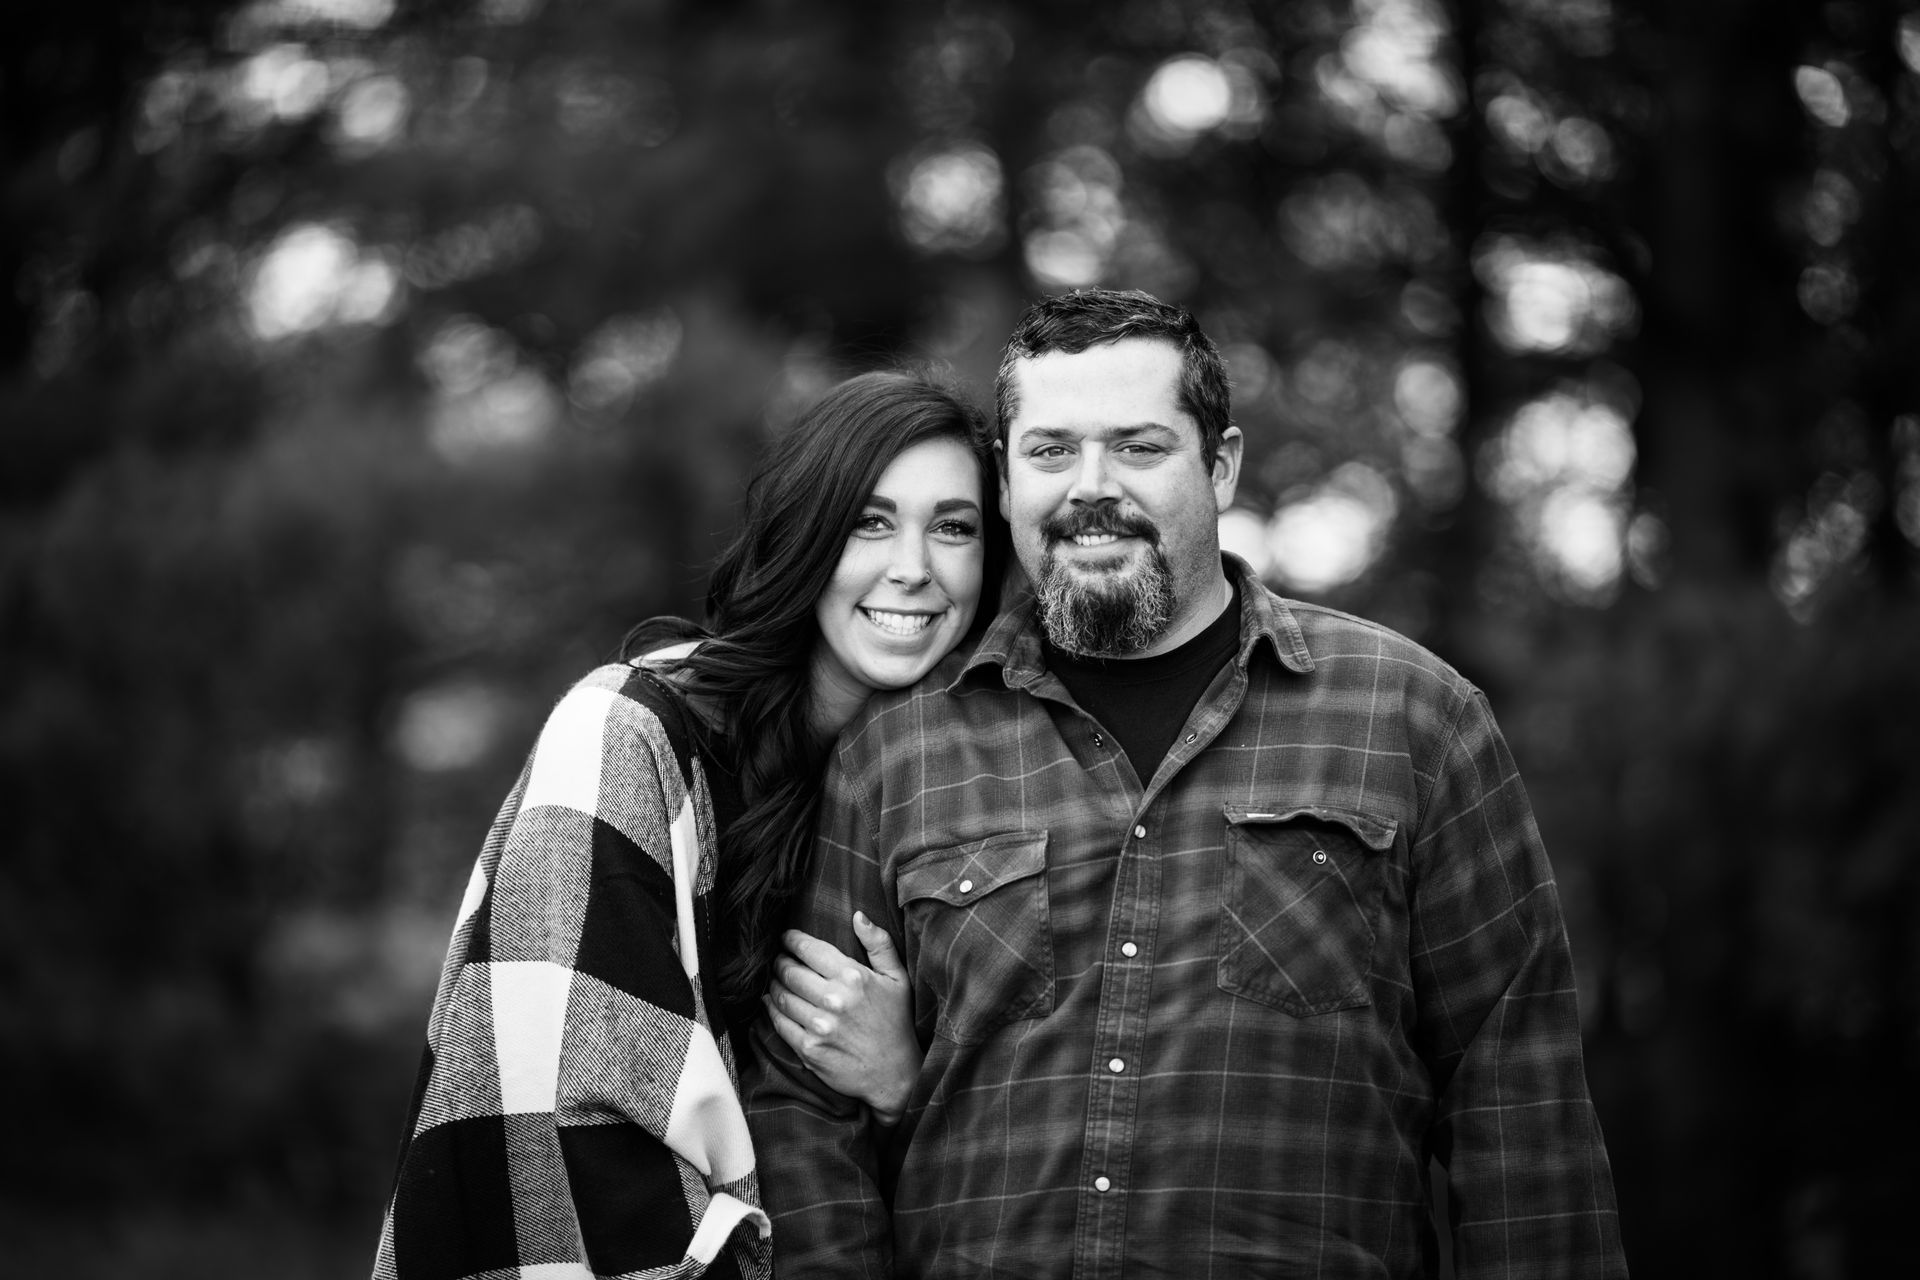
{"x":1499,"y":1025}
{"x":819,"y":1174}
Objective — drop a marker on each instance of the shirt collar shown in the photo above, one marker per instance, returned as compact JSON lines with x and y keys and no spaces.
{"x":1012,"y":642}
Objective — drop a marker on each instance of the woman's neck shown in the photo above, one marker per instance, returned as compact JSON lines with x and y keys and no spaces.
{"x":832,"y":697}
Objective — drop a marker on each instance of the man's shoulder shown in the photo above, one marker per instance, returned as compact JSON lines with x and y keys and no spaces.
{"x":935,"y":697}
{"x":1343,"y":644}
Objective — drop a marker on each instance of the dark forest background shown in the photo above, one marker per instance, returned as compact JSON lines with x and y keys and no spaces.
{"x":366,"y":366}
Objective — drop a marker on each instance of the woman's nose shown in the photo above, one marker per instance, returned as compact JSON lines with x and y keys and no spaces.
{"x":908,"y":565}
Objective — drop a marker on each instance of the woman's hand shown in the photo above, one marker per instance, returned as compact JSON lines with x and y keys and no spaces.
{"x":852,"y":1025}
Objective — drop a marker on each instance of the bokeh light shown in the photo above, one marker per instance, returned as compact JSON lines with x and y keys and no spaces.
{"x":315,"y":275}
{"x":1428,"y":396}
{"x":1188,"y":95}
{"x":1397,"y":49}
{"x":364,"y":15}
{"x":626,"y":354}
{"x":1552,"y":298}
{"x":1342,"y":222}
{"x":1823,"y":95}
{"x":1077,"y":216}
{"x":952,"y":200}
{"x":1564,"y":466}
{"x":1826,"y":539}
{"x":1332,"y":534}
{"x":488,"y":403}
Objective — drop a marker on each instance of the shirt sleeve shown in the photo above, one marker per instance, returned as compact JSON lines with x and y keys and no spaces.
{"x":818,"y":1149}
{"x":575,"y":1107}
{"x":1531,"y":1193}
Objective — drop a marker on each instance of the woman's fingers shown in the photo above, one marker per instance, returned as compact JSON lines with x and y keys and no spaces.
{"x":803,"y":983}
{"x":818,"y":954}
{"x":796,"y":1036}
{"x":881,"y":953}
{"x":817,"y":1024}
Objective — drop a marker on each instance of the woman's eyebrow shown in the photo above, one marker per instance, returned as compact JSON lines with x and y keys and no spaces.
{"x":944,"y":505}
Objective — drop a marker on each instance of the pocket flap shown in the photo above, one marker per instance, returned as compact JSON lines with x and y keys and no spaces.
{"x":960,"y":874}
{"x":1376,"y":833}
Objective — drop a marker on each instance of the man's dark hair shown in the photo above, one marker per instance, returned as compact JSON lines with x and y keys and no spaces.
{"x":1072,"y":322}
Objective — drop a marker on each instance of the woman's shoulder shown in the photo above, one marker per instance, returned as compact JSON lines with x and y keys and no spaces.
{"x":621,"y":713}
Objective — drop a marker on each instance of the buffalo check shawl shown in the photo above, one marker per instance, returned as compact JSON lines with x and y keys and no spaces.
{"x":577,"y":1112}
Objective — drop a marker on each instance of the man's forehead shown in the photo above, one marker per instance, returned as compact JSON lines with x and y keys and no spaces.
{"x":1134,"y":382}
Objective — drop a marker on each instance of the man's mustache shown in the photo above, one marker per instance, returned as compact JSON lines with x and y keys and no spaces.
{"x":1082,"y":522}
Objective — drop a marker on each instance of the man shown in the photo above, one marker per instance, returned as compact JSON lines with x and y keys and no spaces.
{"x":1223,"y":915}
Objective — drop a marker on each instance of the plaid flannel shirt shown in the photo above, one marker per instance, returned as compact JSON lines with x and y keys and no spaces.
{"x":1215,"y":1025}
{"x":577,"y":1113}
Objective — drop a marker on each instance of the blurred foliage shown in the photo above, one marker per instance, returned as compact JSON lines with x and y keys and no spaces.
{"x":367,"y":365}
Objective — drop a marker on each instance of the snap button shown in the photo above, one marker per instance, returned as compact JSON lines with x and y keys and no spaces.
{"x":1099,"y":741}
{"x":1128,"y":950}
{"x":966,"y":886}
{"x":1192,"y":738}
{"x":1102,"y":1183}
{"x":1116,"y":1065}
{"x":1139,"y":833}
{"x":1319,"y":856}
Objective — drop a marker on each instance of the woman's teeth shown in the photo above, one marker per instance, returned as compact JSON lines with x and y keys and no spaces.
{"x":899,"y":624}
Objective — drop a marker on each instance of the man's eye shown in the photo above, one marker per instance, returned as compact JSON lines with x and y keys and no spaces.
{"x":1048,"y":452}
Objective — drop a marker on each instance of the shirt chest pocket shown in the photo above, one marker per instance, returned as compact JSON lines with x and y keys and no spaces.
{"x":1300,"y":897}
{"x":978,"y":936}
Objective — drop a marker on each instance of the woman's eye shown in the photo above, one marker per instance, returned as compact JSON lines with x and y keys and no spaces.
{"x":957,"y":530}
{"x":870,"y":524}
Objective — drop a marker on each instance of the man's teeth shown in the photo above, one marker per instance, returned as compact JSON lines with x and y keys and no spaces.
{"x":1094,"y":539}
{"x":899,"y":624}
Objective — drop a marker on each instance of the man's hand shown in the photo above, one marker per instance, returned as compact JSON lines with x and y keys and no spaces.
{"x":851,"y":1025}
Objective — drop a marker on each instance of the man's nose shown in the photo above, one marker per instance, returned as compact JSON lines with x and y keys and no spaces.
{"x":1093,"y":478}
{"x":908,"y":566}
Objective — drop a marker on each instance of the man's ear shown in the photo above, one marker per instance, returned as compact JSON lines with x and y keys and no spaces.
{"x":1006,"y":499}
{"x":1226,"y":467}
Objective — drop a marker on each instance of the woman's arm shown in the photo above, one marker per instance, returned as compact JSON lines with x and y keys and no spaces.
{"x":575,"y":1110}
{"x":850,"y":1023}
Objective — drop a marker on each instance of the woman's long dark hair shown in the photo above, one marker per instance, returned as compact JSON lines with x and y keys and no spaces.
{"x":755,"y":664}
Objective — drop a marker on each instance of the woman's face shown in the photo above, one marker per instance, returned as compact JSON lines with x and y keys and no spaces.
{"x":909,"y":577}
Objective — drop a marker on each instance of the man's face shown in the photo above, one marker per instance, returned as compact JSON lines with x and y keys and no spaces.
{"x":1115,"y":516}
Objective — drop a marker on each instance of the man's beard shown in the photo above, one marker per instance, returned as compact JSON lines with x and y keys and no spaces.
{"x":1099,"y":612}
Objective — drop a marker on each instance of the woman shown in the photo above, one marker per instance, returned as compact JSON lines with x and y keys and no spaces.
{"x":577,"y":1104}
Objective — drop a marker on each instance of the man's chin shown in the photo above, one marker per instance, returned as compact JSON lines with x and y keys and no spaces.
{"x":1096,"y":566}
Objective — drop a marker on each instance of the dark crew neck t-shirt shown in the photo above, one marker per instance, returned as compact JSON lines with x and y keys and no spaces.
{"x":1144,"y":702}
